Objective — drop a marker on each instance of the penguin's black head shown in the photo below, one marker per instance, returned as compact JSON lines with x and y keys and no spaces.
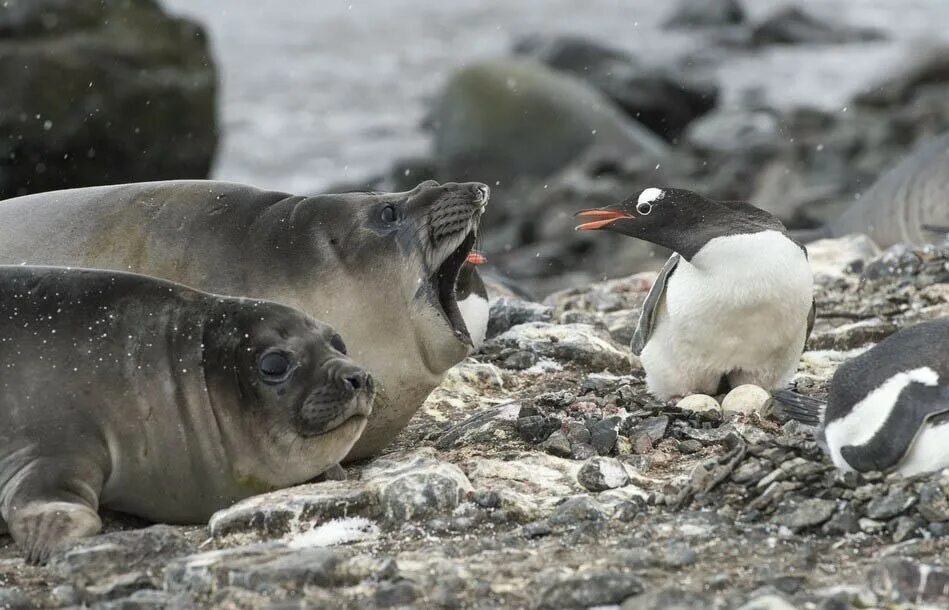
{"x":678,"y":219}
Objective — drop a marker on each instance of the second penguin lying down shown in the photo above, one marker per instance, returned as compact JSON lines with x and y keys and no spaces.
{"x":732,"y":305}
{"x":888,"y":408}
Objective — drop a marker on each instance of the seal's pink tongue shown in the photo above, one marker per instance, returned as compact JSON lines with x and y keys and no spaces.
{"x":476,"y":258}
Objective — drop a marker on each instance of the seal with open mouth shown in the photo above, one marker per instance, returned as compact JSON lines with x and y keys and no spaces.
{"x":379,"y":267}
{"x":154,"y":399}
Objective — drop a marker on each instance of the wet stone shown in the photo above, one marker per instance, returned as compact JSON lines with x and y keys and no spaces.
{"x":119,"y":552}
{"x":506,"y":313}
{"x":590,"y":588}
{"x":557,"y":444}
{"x":602,"y":473}
{"x":401,"y":593}
{"x":519,"y":360}
{"x":603,"y":435}
{"x":677,"y":555}
{"x":653,"y":427}
{"x":576,"y":509}
{"x":578,"y":433}
{"x":536,"y":428}
{"x":894,"y":503}
{"x":843,"y":522}
{"x":933,"y":503}
{"x":689,"y":446}
{"x":904,"y":528}
{"x":804,"y":514}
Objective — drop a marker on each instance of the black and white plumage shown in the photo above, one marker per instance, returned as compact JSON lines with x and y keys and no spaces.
{"x":888,"y":408}
{"x":733,"y":303}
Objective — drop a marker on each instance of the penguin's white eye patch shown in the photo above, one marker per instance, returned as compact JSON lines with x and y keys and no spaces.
{"x":650,"y":195}
{"x":643,"y":208}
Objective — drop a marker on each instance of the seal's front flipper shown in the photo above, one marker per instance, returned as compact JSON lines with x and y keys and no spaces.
{"x":51,"y":500}
{"x":40,"y":526}
{"x":916,"y":404}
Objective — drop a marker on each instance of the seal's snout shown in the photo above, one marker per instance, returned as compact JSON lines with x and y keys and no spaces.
{"x":358,"y":381}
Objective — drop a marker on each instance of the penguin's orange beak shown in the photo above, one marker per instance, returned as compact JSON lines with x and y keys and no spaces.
{"x":604,"y":218}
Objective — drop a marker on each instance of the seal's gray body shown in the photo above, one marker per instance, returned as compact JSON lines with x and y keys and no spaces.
{"x":899,"y":206}
{"x":330,"y":256}
{"x":140,"y":395}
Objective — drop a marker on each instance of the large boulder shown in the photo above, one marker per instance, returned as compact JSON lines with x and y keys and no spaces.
{"x":664,"y":99}
{"x":102,"y":91}
{"x":706,"y":13}
{"x":503,"y":119}
{"x":794,"y":25}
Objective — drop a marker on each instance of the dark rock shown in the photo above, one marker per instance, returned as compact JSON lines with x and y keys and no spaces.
{"x":933,"y":503}
{"x":401,"y":593}
{"x":602,"y":473}
{"x":629,"y":510}
{"x":559,"y":399}
{"x":706,"y":13}
{"x":102,"y":93}
{"x":603,"y":435}
{"x":119,"y":553}
{"x":591,"y":588}
{"x":690,"y":446}
{"x":896,"y":261}
{"x":904,"y":528}
{"x":557,"y":444}
{"x":147,"y":599}
{"x":892,"y":504}
{"x":663,"y":99}
{"x":853,"y":335}
{"x":804,"y":514}
{"x":279,"y":513}
{"x":578,"y":433}
{"x":481,"y":427}
{"x":496,"y":121}
{"x":843,"y":522}
{"x":576,"y":509}
{"x":653,"y":427}
{"x":792,"y":25}
{"x":508,"y":312}
{"x":536,"y":428}
{"x":519,"y":360}
{"x":415,"y":486}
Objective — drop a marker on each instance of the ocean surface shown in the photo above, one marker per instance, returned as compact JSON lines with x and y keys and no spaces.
{"x":315,"y":92}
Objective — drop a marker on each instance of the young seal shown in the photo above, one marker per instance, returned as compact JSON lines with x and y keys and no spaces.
{"x":907,"y":204}
{"x":888,"y":408}
{"x":378,"y":267}
{"x":157,"y":400}
{"x":733,"y":304}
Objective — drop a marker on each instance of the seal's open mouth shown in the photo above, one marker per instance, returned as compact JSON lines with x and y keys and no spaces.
{"x":443,"y":282}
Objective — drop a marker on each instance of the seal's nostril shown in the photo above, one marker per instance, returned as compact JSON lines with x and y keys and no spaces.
{"x":484,"y":191}
{"x":358,"y":381}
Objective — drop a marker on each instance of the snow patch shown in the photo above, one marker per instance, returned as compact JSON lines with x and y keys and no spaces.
{"x":544,"y":366}
{"x":335,"y":532}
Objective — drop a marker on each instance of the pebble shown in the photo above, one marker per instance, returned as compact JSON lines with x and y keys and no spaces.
{"x":653,"y":427}
{"x":589,"y":588}
{"x":602,"y":473}
{"x":870,"y":526}
{"x":576,"y":509}
{"x":894,"y":503}
{"x":536,"y":428}
{"x":603,"y":435}
{"x":401,"y":593}
{"x":808,"y":513}
{"x":582,"y":451}
{"x":557,"y":444}
{"x":747,"y":399}
{"x":699,"y":403}
{"x":933,"y":503}
{"x":689,"y":446}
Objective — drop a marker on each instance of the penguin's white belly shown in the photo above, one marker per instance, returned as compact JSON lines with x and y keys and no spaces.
{"x":739,"y":309}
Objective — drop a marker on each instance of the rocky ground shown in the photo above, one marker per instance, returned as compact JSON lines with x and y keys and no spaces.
{"x":542,"y":475}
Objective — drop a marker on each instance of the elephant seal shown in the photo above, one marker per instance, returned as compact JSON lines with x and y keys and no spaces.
{"x":378,"y":267}
{"x":157,"y":400}
{"x":907,"y":204}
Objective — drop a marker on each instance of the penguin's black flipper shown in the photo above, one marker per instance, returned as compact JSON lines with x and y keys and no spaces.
{"x":647,"y":317}
{"x":791,"y":405}
{"x":916,"y":404}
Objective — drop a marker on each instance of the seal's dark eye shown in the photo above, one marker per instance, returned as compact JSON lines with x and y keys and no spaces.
{"x":389,"y":213}
{"x":644,"y":208}
{"x":275,"y":366}
{"x":338,"y":345}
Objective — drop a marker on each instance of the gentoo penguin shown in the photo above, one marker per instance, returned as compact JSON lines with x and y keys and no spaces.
{"x":732,"y":305}
{"x":888,"y":408}
{"x":472,"y":298}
